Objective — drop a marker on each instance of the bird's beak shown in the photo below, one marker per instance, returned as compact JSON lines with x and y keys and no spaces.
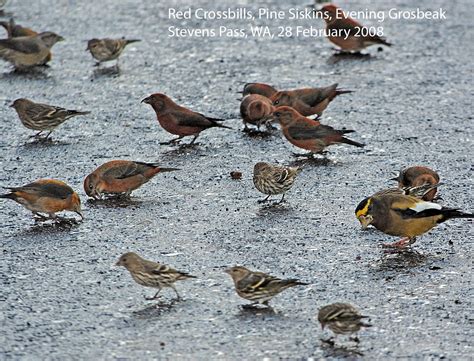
{"x":146,"y":100}
{"x":80,"y":214}
{"x":322,"y":326}
{"x":365,"y":221}
{"x":240,"y":92}
{"x":394,"y":179}
{"x":162,"y":170}
{"x":12,"y":105}
{"x":267,"y":119}
{"x":227,"y":270}
{"x":60,"y":38}
{"x":117,"y":263}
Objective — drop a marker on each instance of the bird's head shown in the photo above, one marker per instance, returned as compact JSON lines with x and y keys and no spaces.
{"x":90,"y":186}
{"x":237,"y":272}
{"x":92,"y":44}
{"x":363,"y":212}
{"x":260,"y":167}
{"x":158,"y":101}
{"x":285,"y":115}
{"x":281,"y":98}
{"x":76,"y":204}
{"x":50,"y":38}
{"x":128,"y":260}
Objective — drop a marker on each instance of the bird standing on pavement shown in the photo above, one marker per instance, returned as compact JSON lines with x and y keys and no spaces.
{"x":273,"y":179}
{"x":341,"y":318}
{"x":107,"y":49}
{"x":254,"y":109}
{"x":418,"y":176}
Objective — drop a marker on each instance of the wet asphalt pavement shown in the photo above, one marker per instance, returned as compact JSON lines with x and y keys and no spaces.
{"x":61,"y":298}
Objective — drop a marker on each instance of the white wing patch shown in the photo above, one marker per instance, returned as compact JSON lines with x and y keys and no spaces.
{"x":422,"y":206}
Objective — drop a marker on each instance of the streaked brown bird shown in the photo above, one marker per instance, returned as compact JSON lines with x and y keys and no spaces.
{"x":179,"y":120}
{"x":254,"y":109}
{"x":258,"y":88}
{"x":42,"y":117}
{"x":259,"y":287}
{"x":403,"y":215}
{"x":28,"y":51}
{"x":108,"y":49}
{"x":151,"y":274}
{"x":308,"y":101}
{"x":418,"y":176}
{"x":359,"y":37}
{"x":309,"y":134}
{"x":120,"y":177}
{"x":273,"y":179}
{"x":47,"y":196}
{"x":341,"y":318}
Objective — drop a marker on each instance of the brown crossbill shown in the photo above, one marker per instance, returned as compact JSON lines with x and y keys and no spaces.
{"x":254,"y":109}
{"x":258,"y":88}
{"x":418,"y":176}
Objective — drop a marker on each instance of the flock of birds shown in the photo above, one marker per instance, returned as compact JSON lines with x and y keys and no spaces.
{"x":408,"y":210}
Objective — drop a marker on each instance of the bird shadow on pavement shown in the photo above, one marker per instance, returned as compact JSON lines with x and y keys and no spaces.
{"x":402,"y":261}
{"x":331,"y":349}
{"x":111,"y":71}
{"x":340,"y":56}
{"x":36,"y":73}
{"x":273,"y":208}
{"x":156,"y":309}
{"x":311,"y":161}
{"x":113,"y":202}
{"x":37,"y":142}
{"x":251,"y":311}
{"x":52,"y":227}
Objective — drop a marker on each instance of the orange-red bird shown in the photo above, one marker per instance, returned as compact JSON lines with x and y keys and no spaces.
{"x":178,"y":120}
{"x":46,"y":196}
{"x":308,"y":101}
{"x":418,"y":176}
{"x":307,"y":133}
{"x":259,"y":88}
{"x":120,"y":177}
{"x":254,"y":108}
{"x":359,"y":36}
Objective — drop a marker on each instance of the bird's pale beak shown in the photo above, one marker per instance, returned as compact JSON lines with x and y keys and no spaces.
{"x":365,"y":221}
{"x":117,"y":263}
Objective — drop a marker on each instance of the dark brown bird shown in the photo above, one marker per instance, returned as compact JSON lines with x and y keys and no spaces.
{"x":254,"y":109}
{"x":151,"y":274}
{"x":120,"y":177}
{"x":339,"y":26}
{"x":341,"y":318}
{"x":178,"y":120}
{"x":259,"y":88}
{"x":42,"y":117}
{"x":308,"y":101}
{"x":259,"y":287}
{"x":47,"y":196}
{"x":108,"y":49}
{"x":273,"y":179}
{"x":28,"y":51}
{"x":307,"y":133}
{"x":418,"y":176}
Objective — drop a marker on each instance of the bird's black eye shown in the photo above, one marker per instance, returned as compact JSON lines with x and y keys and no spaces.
{"x":277,"y":114}
{"x":124,"y":260}
{"x":276,"y":102}
{"x":91,"y":186}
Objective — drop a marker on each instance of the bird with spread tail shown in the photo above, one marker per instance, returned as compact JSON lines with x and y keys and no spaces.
{"x":254,"y":109}
{"x":42,"y":117}
{"x":418,"y":176}
{"x":342,"y":319}
{"x":259,"y":287}
{"x":107,"y":49}
{"x":120,"y":177}
{"x":403,"y":215}
{"x":28,"y":51}
{"x":151,"y":274}
{"x":47,"y":196}
{"x":338,"y":24}
{"x":273,"y":179}
{"x":179,"y":120}
{"x":309,"y":134}
{"x":308,"y":101}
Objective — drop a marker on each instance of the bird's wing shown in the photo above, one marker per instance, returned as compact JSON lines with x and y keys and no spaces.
{"x":411,"y":207}
{"x":122,"y":171}
{"x":255,"y":281}
{"x":314,"y":96}
{"x":114,"y":45}
{"x":26,"y":45}
{"x":280,"y":174}
{"x":305,"y":131}
{"x":37,"y":111}
{"x":52,"y":190}
{"x":191,"y":119}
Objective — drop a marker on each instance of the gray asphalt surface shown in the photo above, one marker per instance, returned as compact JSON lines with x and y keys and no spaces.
{"x":61,"y":298}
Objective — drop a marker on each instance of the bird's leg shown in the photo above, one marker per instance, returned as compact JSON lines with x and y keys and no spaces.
{"x":154,"y":297}
{"x":36,"y":135}
{"x":355,"y":339}
{"x":39,"y":217}
{"x":97,"y":63}
{"x":402,"y":243}
{"x":47,"y":135}
{"x":172,"y":141}
{"x":194,"y":139}
{"x":246,"y":128}
{"x":264,"y":200}
{"x":282,"y":198}
{"x":178,"y":297}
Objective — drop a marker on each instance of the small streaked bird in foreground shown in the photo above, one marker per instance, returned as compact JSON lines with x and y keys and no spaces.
{"x":179,"y":120}
{"x":254,"y":109}
{"x":151,"y":274}
{"x":47,"y":196}
{"x":342,"y":319}
{"x":273,"y":179}
{"x":120,"y":177}
{"x":258,"y":88}
{"x":28,"y":51}
{"x":259,"y":287}
{"x":418,"y":176}
{"x":107,"y":49}
{"x":42,"y":117}
{"x":403,"y":215}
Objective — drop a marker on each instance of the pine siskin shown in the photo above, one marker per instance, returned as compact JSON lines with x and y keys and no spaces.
{"x":151,"y":274}
{"x":341,"y":318}
{"x":107,"y":49}
{"x":273,"y":179}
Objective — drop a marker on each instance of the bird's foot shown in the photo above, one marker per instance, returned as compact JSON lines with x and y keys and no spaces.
{"x":400,"y":244}
{"x":355,"y":339}
{"x":153,"y":298}
{"x":329,"y":341}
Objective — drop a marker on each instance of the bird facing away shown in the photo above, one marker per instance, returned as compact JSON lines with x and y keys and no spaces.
{"x":178,"y":120}
{"x":107,"y":49}
{"x":28,"y":51}
{"x":418,"y":176}
{"x":42,"y":117}
{"x":337,"y":24}
{"x":254,"y":109}
{"x":47,"y":196}
{"x":259,"y":287}
{"x":120,"y":177}
{"x":258,"y":88}
{"x":403,"y":215}
{"x":273,"y":179}
{"x":151,"y":274}
{"x":341,"y":318}
{"x":307,"y":133}
{"x":308,"y":101}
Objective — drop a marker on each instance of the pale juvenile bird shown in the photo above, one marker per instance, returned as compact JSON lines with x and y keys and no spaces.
{"x":418,"y":176}
{"x":151,"y":274}
{"x":28,"y":51}
{"x":254,"y":109}
{"x":341,"y":318}
{"x":42,"y":117}
{"x":259,"y":287}
{"x":273,"y":179}
{"x":47,"y":196}
{"x":107,"y":49}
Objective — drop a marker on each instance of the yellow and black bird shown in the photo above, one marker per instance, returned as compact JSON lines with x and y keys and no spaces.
{"x":403,"y":215}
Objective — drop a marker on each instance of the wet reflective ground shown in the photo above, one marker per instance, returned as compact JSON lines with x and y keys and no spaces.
{"x":61,"y":296}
